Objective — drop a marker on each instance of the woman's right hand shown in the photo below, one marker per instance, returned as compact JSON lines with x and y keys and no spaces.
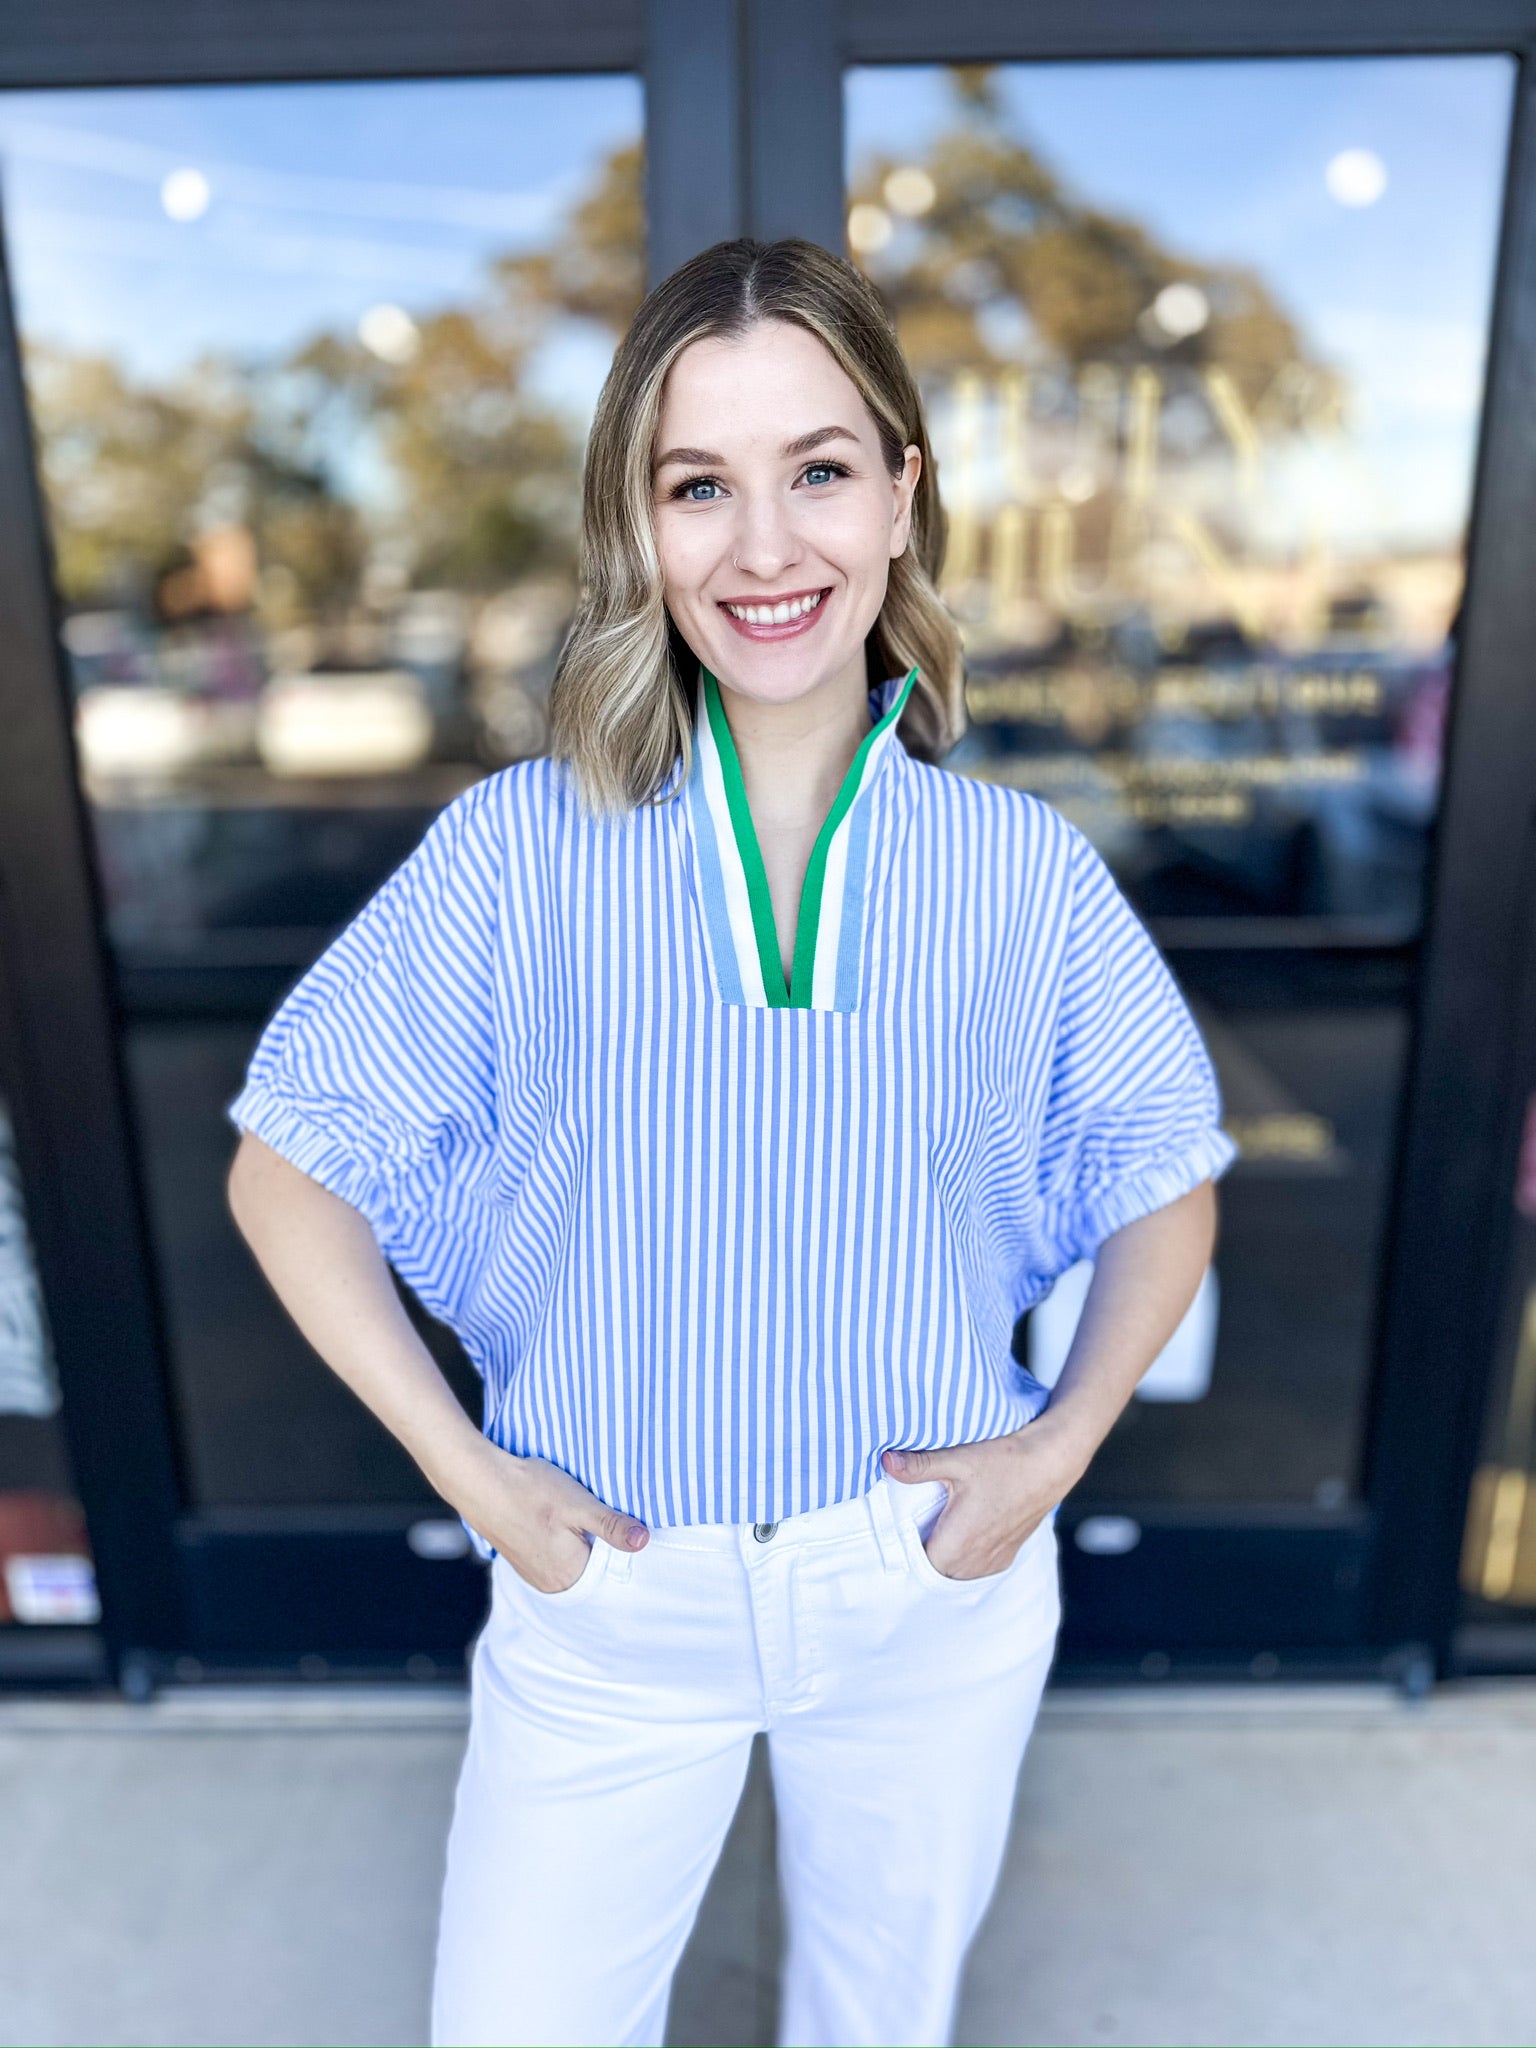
{"x":537,"y":1516}
{"x":324,"y":1264}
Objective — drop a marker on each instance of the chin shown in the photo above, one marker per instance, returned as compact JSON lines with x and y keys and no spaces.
{"x":774,"y":682}
{"x":779,"y":672}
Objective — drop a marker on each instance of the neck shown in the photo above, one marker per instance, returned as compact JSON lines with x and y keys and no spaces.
{"x":794,"y":756}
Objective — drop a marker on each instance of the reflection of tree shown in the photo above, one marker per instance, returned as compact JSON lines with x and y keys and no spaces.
{"x":124,"y":465}
{"x":595,"y":270}
{"x":1004,"y":256}
{"x":482,"y":477}
{"x":479,"y":478}
{"x":131,"y":469}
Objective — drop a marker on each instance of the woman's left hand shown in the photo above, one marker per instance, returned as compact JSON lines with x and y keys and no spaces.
{"x":1145,"y":1276}
{"x":1000,"y":1491}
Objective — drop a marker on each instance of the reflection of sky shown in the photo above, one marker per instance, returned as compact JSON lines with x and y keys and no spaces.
{"x":325,"y":200}
{"x":1225,"y":161}
{"x":329,"y":198}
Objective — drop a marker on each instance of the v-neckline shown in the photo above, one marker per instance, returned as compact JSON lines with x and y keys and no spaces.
{"x":740,"y":909}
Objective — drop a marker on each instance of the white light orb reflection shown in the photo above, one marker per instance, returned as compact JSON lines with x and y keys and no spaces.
{"x":1181,"y":310}
{"x":909,"y":191}
{"x":1356,"y":177}
{"x":185,"y":194}
{"x":389,"y":333}
{"x":869,"y":228}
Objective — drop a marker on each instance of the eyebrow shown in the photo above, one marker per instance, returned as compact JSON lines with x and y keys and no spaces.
{"x":693,"y":456}
{"x":803,"y":445}
{"x":807,"y":442}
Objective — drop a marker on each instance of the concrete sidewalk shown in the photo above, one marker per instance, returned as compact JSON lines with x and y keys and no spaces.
{"x":1266,"y":1865}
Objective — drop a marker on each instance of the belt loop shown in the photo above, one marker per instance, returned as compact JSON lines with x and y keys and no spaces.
{"x":882,"y":1518}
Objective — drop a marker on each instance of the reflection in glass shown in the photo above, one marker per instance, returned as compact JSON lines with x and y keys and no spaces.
{"x":1202,"y":346}
{"x":1204,"y":375}
{"x":311,"y":369}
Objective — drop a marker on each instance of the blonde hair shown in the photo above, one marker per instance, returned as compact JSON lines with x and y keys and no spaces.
{"x":621,"y":708}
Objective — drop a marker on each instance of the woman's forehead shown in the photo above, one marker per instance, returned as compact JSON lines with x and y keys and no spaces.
{"x":772,"y":386}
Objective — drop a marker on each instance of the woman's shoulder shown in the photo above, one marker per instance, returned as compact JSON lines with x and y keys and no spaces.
{"x":519,"y":802}
{"x":992,"y":816}
{"x":1027,"y":856}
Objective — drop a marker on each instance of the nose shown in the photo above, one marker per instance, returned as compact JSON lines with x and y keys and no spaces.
{"x":765,"y":540}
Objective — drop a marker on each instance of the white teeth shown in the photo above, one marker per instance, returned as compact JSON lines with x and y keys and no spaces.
{"x":775,"y":614}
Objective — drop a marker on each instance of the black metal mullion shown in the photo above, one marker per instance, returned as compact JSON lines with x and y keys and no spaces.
{"x":982,"y":31}
{"x":213,"y":42}
{"x":794,"y":95}
{"x":694,"y":168}
{"x":71,"y":1114}
{"x":1451,"y":1223}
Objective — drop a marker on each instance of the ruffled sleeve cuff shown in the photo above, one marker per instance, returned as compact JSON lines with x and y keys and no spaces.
{"x":1097,"y":1216}
{"x":316,"y":1148}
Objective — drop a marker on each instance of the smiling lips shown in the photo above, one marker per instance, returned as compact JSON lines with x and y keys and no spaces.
{"x":778,"y":618}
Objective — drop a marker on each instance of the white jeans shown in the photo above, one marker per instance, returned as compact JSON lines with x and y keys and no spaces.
{"x":610,"y":1727}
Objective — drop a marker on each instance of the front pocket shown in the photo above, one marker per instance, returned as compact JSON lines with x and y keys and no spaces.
{"x":926,"y":1569}
{"x":590,"y":1575}
{"x":916,"y":1528}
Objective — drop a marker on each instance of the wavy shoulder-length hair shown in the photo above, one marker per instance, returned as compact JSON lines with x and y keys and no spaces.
{"x":621,"y":704}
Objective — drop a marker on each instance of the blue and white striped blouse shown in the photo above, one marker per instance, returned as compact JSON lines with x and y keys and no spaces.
{"x":714,"y":1238}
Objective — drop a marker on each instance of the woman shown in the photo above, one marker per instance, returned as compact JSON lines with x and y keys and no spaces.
{"x":730,"y":1082}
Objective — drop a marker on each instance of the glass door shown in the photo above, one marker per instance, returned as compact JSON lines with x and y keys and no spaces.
{"x":309,"y":369}
{"x":1207,"y":346}
{"x":1203,"y":345}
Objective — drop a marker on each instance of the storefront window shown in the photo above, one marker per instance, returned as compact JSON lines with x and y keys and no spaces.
{"x":1203,"y":348}
{"x":310,"y":369}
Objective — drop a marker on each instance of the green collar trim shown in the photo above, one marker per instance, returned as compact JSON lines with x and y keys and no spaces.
{"x":798,"y":993}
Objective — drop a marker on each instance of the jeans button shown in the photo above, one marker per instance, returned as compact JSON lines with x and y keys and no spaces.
{"x":763,"y":1530}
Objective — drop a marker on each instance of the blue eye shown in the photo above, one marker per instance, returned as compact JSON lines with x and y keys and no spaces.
{"x":701,"y":490}
{"x":819,"y":473}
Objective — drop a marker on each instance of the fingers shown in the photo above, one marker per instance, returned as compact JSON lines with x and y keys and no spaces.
{"x":622,"y":1531}
{"x":609,"y":1525}
{"x":908,"y":1466}
{"x":579,"y":1508}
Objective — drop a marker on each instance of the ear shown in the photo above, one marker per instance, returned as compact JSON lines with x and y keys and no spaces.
{"x":905,"y":486}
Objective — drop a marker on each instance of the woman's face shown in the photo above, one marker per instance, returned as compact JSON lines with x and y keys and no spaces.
{"x":776,"y":516}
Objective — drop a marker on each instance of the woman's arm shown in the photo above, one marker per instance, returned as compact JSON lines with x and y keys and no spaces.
{"x":324,"y":1264}
{"x":1145,"y":1277}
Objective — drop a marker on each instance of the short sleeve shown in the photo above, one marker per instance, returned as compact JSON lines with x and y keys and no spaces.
{"x":377,"y":1074}
{"x":1133,"y":1114}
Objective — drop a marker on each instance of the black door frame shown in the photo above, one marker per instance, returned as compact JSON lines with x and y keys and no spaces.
{"x":744,"y":122}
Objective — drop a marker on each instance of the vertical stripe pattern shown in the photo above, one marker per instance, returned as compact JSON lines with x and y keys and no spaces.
{"x":715,"y":1243}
